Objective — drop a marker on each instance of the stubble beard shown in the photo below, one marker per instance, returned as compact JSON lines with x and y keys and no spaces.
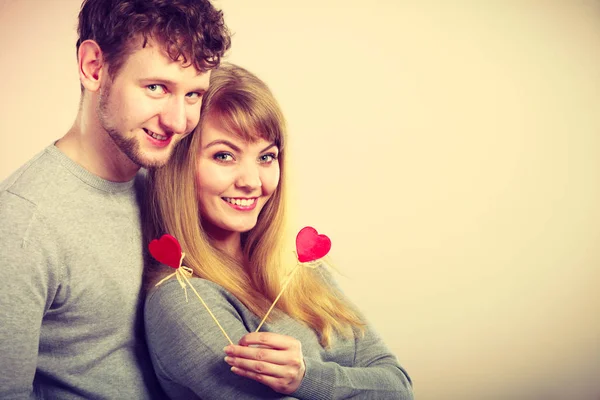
{"x":130,"y":147}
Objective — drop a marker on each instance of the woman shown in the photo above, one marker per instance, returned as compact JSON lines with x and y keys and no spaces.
{"x":230,"y":176}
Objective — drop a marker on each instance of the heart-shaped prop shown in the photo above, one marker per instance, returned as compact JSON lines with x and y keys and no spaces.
{"x":166,"y":250}
{"x":311,"y":246}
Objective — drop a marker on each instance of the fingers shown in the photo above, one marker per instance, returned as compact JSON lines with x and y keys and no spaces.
{"x":266,"y":346}
{"x":272,"y":359}
{"x":260,"y":354}
{"x":288,"y":369}
{"x":286,"y":385}
{"x":273,"y":340}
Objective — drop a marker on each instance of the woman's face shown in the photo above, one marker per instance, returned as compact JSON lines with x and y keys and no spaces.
{"x":235,"y":179}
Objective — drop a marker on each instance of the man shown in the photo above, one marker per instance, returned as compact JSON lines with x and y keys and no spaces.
{"x":72,"y":254}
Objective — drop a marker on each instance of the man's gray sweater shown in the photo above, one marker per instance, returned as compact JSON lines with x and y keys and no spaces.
{"x":71,"y":265}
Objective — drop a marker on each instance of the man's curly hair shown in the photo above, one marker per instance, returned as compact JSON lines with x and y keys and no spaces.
{"x":190,"y":30}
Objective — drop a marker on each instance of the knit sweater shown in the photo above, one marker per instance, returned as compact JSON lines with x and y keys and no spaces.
{"x":186,"y":347}
{"x":70,"y":282}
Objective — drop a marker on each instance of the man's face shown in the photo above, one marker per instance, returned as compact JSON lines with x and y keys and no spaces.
{"x":151,"y":104}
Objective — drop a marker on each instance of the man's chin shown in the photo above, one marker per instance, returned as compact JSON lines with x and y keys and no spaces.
{"x":152,"y":160}
{"x":152,"y":164}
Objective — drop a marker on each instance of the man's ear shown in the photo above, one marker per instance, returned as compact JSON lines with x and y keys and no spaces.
{"x":92,"y":66}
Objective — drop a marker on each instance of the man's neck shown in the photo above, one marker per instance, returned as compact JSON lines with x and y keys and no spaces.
{"x":90,"y":146}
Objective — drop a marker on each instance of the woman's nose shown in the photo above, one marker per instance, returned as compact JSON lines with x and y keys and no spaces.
{"x":248,"y":177}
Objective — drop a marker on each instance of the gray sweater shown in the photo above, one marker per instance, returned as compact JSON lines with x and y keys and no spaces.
{"x":70,"y":280}
{"x":186,"y":347}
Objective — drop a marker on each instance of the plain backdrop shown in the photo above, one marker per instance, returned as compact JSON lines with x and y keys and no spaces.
{"x":451,"y":150}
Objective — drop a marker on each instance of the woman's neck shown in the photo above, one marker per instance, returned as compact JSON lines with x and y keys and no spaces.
{"x":228,"y":242}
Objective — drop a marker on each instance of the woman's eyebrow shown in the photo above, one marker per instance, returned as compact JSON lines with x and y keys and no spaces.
{"x":233,"y":146}
{"x":225,"y":142}
{"x":268,"y":147}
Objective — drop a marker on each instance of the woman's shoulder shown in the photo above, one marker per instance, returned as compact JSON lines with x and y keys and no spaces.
{"x":177,"y":299}
{"x":190,"y":309}
{"x":174,"y":292}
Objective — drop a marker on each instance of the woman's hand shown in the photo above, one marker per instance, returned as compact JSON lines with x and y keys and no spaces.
{"x":269,"y":358}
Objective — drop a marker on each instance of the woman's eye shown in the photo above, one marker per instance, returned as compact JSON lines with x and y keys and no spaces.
{"x":223,"y":157}
{"x":268,"y":158}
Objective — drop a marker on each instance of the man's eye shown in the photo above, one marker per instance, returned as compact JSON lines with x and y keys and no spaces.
{"x":223,"y":157}
{"x":194,"y":95}
{"x":156,"y":88}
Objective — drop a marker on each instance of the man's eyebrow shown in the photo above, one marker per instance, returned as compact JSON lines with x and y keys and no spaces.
{"x":156,"y":79}
{"x":171,"y":83}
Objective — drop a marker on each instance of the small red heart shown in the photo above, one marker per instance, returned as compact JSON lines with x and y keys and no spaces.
{"x":166,"y":250}
{"x":311,"y":246}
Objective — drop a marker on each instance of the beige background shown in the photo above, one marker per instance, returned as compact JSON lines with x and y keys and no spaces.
{"x":451,"y":152}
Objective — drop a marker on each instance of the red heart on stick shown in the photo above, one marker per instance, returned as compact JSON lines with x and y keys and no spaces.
{"x":166,"y":250}
{"x":311,"y":246}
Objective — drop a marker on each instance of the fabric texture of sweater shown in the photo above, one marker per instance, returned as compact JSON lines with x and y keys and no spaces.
{"x":186,"y":347}
{"x":71,"y":279}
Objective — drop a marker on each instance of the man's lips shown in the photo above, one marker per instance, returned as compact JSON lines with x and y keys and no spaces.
{"x":156,"y":139}
{"x":155,"y":135}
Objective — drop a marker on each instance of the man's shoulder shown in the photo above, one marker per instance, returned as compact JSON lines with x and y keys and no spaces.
{"x":30,"y":181}
{"x":22,"y":192}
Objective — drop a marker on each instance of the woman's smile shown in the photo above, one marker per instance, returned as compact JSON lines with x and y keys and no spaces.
{"x":241,"y":203}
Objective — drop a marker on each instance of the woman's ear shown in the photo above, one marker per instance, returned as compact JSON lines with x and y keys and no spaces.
{"x":92,"y":67}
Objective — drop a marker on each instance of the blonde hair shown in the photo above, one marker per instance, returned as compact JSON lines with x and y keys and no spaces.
{"x":244,"y":105}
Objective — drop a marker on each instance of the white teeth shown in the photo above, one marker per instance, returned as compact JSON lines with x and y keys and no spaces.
{"x":155,"y":135}
{"x":240,"y":202}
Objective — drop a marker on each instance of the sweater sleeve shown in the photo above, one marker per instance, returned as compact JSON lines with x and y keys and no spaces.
{"x":186,"y":345}
{"x":375,"y":374}
{"x":27,"y":284}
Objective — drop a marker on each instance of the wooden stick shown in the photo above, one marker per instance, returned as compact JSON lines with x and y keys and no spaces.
{"x":180,"y":275}
{"x":287,"y":281}
{"x":207,"y":309}
{"x":164,"y":279}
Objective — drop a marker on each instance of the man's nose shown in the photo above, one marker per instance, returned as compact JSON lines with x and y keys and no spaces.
{"x":173,"y":116}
